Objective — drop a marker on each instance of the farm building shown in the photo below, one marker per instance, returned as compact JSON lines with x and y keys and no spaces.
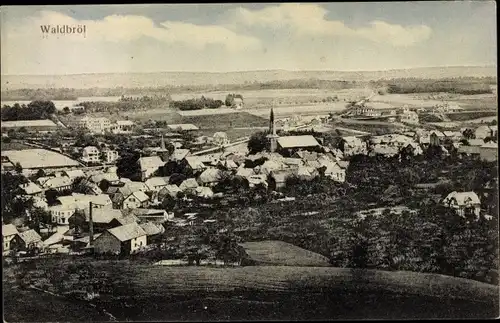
{"x":125,"y":239}
{"x":296,"y":142}
{"x":29,"y":125}
{"x":26,"y":240}
{"x":31,"y":160}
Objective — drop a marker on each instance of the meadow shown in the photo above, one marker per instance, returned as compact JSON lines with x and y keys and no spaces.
{"x":135,"y":291}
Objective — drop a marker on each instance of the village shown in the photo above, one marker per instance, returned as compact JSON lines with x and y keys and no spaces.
{"x":91,"y":193}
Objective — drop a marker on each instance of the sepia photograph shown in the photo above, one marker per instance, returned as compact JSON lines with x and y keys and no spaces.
{"x":249,"y":161}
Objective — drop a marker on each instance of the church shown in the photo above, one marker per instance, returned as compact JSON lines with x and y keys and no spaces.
{"x":287,"y":145}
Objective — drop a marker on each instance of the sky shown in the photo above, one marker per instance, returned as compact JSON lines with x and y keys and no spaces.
{"x":363,"y":36}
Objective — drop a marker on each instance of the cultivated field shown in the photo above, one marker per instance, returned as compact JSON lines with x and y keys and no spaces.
{"x":281,"y":98}
{"x":283,"y":254}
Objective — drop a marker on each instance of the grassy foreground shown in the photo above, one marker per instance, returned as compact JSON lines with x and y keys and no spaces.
{"x":133,"y":291}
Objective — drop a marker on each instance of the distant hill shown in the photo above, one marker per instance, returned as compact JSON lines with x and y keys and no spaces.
{"x":162,"y":79}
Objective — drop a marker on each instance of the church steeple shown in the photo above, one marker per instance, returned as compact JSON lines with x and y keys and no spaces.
{"x":272,"y":127}
{"x":273,"y":137}
{"x":162,"y":143}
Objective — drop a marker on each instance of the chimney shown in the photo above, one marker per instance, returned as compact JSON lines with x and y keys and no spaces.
{"x":91,"y":226}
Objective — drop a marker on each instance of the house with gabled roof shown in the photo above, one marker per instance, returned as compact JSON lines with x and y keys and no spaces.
{"x":209,"y":177}
{"x":352,"y":145}
{"x":297,"y":142}
{"x":463,"y":203}
{"x":9,"y":231}
{"x":59,"y":183}
{"x":179,"y":154}
{"x":125,"y":239}
{"x":102,"y":219}
{"x":26,"y":240}
{"x":31,"y":189}
{"x":170,"y":190}
{"x":189,"y":185}
{"x":204,"y":191}
{"x":228,"y":164}
{"x":153,"y":231}
{"x":155,"y":184}
{"x":194,"y":164}
{"x":74,"y":174}
{"x":123,"y":192}
{"x":137,"y":199}
{"x":150,"y":165}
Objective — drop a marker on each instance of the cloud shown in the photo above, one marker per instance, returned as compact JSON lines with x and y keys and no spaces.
{"x":310,"y":20}
{"x":127,"y":28}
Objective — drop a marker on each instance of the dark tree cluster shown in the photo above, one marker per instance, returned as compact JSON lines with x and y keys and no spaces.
{"x":196,"y":104}
{"x":450,"y":86}
{"x":35,"y":110}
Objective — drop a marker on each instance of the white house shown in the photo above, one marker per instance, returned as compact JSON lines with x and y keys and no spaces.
{"x":95,"y":125}
{"x":136,"y":200}
{"x":110,"y":156}
{"x":410,"y":117}
{"x":333,"y":170}
{"x":122,"y":127}
{"x":60,"y":214}
{"x":149,"y":165}
{"x":237,"y":103}
{"x":91,"y":154}
{"x":9,"y":231}
{"x":462,"y":202}
{"x":354,"y":146}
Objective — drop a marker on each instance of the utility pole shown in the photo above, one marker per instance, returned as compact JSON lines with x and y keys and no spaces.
{"x":91,"y":226}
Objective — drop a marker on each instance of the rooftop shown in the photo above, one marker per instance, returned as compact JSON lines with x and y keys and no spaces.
{"x":28,"y":123}
{"x":127,"y":232}
{"x":152,"y":228}
{"x":39,"y":158}
{"x":182,"y":126}
{"x":151,"y":162}
{"x":297,"y":141}
{"x":8,"y":230}
{"x":30,"y":236}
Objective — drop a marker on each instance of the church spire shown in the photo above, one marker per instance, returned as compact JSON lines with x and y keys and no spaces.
{"x":162,"y":143}
{"x":272,"y":128}
{"x":273,"y":137}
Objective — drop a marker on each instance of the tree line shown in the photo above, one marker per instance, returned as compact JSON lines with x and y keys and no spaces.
{"x":196,"y":104}
{"x":35,"y":110}
{"x":405,"y":86}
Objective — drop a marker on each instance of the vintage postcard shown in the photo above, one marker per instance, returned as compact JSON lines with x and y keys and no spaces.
{"x":249,"y":162}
